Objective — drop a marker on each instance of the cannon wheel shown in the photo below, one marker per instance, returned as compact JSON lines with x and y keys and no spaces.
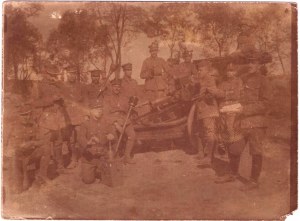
{"x":193,"y":131}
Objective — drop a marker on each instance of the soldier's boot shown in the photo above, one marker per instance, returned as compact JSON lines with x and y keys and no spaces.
{"x":127,"y":155}
{"x":41,"y":177}
{"x":255,"y":173}
{"x":58,"y":155}
{"x":234,"y":161}
{"x":206,"y":162}
{"x":74,"y":158}
{"x":201,"y":153}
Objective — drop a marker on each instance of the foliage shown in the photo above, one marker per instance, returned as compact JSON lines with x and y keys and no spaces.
{"x":219,"y":25}
{"x":21,"y":38}
{"x":121,"y":22}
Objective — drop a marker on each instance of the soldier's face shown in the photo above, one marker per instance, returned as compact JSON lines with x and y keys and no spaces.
{"x":231,"y":73}
{"x":203,"y":70}
{"x":128,"y":73}
{"x":188,"y":58}
{"x":97,"y":112}
{"x":153,"y":53}
{"x":116,"y":89}
{"x":253,"y":67}
{"x":95,"y":79}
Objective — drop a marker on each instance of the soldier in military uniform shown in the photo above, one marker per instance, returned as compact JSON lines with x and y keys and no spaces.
{"x":255,"y":99}
{"x":129,"y":85}
{"x":52,"y":117}
{"x":187,"y":68}
{"x":23,"y":147}
{"x":155,"y":71}
{"x":92,"y":90}
{"x":116,"y":106}
{"x":75,"y":112}
{"x":93,"y":137}
{"x":208,"y":110}
{"x":230,"y":117}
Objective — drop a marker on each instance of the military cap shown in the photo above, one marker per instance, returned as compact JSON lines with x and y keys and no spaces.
{"x":71,"y":70}
{"x":96,"y":73}
{"x":25,"y":109}
{"x":96,"y":104}
{"x":116,"y":82}
{"x":127,"y":67}
{"x":52,"y":70}
{"x":187,"y":53}
{"x":202,"y":63}
{"x":154,"y":46}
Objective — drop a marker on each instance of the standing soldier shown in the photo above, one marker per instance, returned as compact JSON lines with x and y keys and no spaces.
{"x":129,"y":85}
{"x":93,"y":136}
{"x":92,"y":90}
{"x":154,"y":71}
{"x":208,"y":110}
{"x":23,"y":147}
{"x":256,"y":95}
{"x":187,"y":68}
{"x":74,"y":111}
{"x":116,"y":106}
{"x":230,"y":116}
{"x":52,"y":114}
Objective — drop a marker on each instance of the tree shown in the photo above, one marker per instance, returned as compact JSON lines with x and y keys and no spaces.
{"x":173,"y":22}
{"x":219,"y":24}
{"x":77,"y":33}
{"x":121,"y":23}
{"x":21,"y":38}
{"x":273,"y":30}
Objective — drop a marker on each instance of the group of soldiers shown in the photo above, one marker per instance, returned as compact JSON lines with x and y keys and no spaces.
{"x":86,"y":122}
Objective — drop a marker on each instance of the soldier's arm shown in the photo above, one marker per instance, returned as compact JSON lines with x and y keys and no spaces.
{"x":145,"y":74}
{"x":82,"y":138}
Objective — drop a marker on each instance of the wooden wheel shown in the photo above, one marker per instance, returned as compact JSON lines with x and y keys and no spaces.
{"x":193,"y":131}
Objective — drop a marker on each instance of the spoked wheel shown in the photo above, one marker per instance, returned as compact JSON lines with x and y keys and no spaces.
{"x":193,"y":132}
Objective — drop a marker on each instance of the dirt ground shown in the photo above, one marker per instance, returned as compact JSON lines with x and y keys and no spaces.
{"x":162,"y":185}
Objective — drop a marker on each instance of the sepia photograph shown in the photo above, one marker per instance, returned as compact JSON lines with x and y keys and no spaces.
{"x":149,"y":110}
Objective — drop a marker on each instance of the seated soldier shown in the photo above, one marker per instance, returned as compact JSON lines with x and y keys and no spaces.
{"x":116,"y":106}
{"x":24,"y":148}
{"x":93,"y":137}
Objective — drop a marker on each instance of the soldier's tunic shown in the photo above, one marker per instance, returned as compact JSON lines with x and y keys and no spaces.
{"x":93,"y":153}
{"x":186,"y":69}
{"x":229,"y":108}
{"x":74,"y":101}
{"x":92,"y":91}
{"x":51,"y":120}
{"x":129,"y":87}
{"x":116,"y":108}
{"x":208,"y":107}
{"x":255,"y":97}
{"x":154,"y":71}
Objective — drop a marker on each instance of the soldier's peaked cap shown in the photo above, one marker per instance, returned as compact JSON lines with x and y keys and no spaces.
{"x":116,"y":81}
{"x":154,"y":46}
{"x":96,"y":73}
{"x":127,"y":67}
{"x":187,"y":53}
{"x":52,"y":70}
{"x":202,"y":63}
